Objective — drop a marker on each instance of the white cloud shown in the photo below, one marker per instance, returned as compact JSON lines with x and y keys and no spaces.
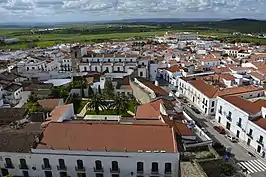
{"x":85,"y":10}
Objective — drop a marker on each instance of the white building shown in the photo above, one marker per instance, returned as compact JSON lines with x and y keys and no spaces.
{"x":245,"y":119}
{"x":186,"y":36}
{"x":71,"y":149}
{"x":203,"y":93}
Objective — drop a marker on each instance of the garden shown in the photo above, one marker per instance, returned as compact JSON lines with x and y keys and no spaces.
{"x":104,"y":102}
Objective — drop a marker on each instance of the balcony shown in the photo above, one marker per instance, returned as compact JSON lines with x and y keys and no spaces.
{"x":46,"y":167}
{"x":229,"y":118}
{"x":168,"y":173}
{"x":239,"y":124}
{"x":9,"y":165}
{"x":112,"y":170}
{"x":260,"y":142}
{"x":139,"y":171}
{"x":250,"y":135}
{"x":64,"y":168}
{"x":24,"y":167}
{"x":98,"y":169}
{"x":154,"y":171}
{"x":80,"y":168}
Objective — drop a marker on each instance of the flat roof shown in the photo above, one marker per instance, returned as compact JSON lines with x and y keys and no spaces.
{"x":13,"y":87}
{"x":19,"y":140}
{"x":108,"y":137}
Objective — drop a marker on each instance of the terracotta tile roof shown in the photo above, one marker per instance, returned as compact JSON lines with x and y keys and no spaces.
{"x":257,"y":76}
{"x":261,"y":122}
{"x":204,"y":88}
{"x":49,"y":104}
{"x":157,"y":90}
{"x":108,"y":137}
{"x":56,"y":114}
{"x":214,"y":91}
{"x":227,"y":76}
{"x":149,"y":110}
{"x":174,"y":68}
{"x":179,"y":127}
{"x":259,"y":64}
{"x":246,"y":105}
{"x":220,"y":69}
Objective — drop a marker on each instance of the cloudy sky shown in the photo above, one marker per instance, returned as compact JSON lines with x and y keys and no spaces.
{"x":94,"y":10}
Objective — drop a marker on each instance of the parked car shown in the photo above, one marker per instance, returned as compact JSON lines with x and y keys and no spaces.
{"x":232,"y":138}
{"x":219,"y":129}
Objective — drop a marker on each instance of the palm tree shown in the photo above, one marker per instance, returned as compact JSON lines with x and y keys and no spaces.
{"x":120,"y":104}
{"x":97,"y":103}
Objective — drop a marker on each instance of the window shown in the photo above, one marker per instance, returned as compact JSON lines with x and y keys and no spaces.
{"x":23,"y":164}
{"x":33,"y":68}
{"x":98,"y":165}
{"x":48,"y":174}
{"x":141,"y":74}
{"x":80,"y":164}
{"x":212,"y":110}
{"x":27,"y":68}
{"x":229,"y":114}
{"x":239,"y":122}
{"x":154,"y":167}
{"x":61,"y":164}
{"x":250,"y":131}
{"x":85,"y":68}
{"x":96,"y":69}
{"x":63,"y":174}
{"x":114,"y":165}
{"x":46,"y":163}
{"x":118,"y":68}
{"x":99,"y":175}
{"x":115,"y":175}
{"x":8,"y":163}
{"x":261,"y":139}
{"x":140,"y":167}
{"x":25,"y":173}
{"x":168,"y":168}
{"x":119,"y":60}
{"x":213,"y":103}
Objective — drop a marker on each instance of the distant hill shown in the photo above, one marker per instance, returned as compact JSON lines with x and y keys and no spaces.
{"x":239,"y":25}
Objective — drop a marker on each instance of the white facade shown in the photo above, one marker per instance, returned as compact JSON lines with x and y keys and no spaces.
{"x":127,"y":162}
{"x":240,"y":124}
{"x":185,"y":36}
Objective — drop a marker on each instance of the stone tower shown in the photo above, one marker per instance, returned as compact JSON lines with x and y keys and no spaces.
{"x":75,"y":53}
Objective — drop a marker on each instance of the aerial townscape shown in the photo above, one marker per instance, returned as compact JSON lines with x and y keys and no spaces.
{"x":172,"y":104}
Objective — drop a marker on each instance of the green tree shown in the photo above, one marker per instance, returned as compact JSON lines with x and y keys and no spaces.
{"x":97,"y":103}
{"x":227,"y":169}
{"x":108,"y":89}
{"x":90,"y":92}
{"x":120,"y":104}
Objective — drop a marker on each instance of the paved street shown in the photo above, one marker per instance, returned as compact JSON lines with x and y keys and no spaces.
{"x":256,"y":167}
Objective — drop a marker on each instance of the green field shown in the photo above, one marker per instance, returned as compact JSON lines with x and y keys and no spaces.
{"x":32,"y":37}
